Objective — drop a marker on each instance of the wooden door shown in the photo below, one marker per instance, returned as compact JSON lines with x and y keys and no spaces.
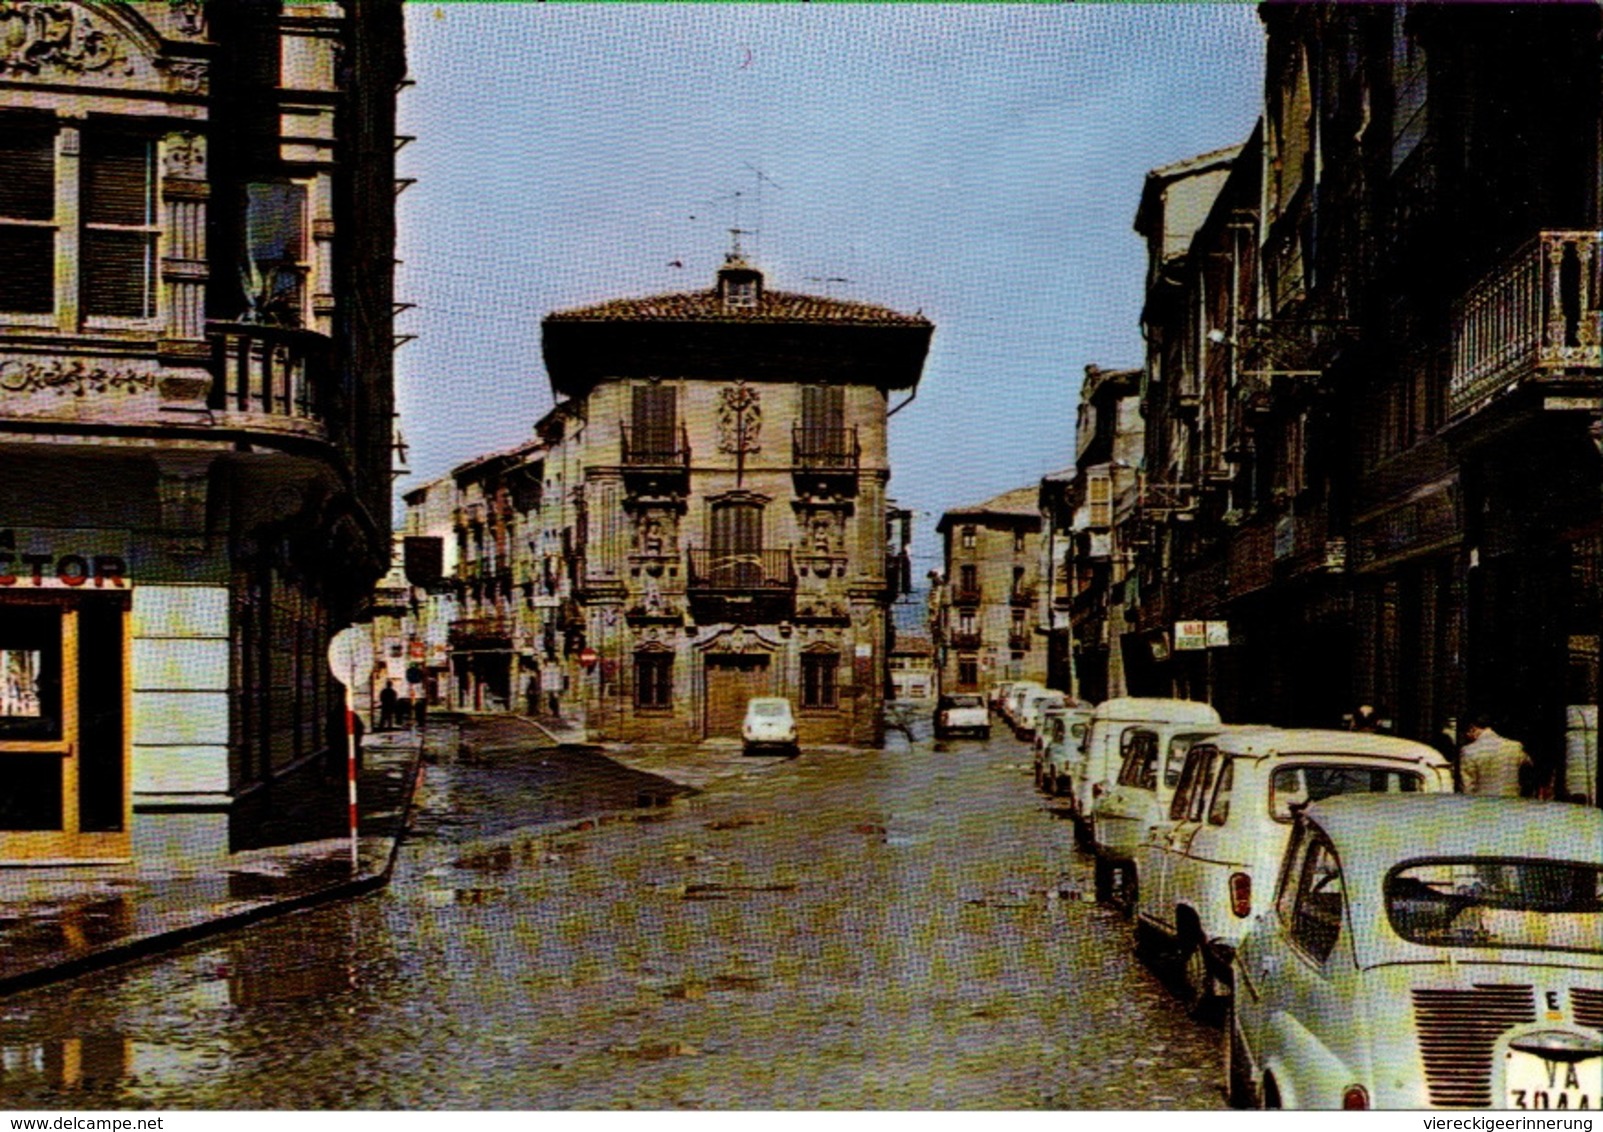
{"x":731,"y":681}
{"x":63,"y":731}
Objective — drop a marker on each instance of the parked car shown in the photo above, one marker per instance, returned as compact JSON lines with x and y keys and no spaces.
{"x":997,"y":696}
{"x":1056,"y":742}
{"x":1091,"y":773}
{"x":1030,"y":710}
{"x":1013,"y":704}
{"x":769,"y":725}
{"x":1202,"y":874}
{"x":1427,"y":951}
{"x":964,"y":712}
{"x":1139,"y":799}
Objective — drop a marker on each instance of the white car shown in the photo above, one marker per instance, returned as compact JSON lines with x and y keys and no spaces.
{"x":1139,"y":799}
{"x":1030,"y":711}
{"x":962,"y":712}
{"x":1202,"y":874}
{"x":1428,"y":951}
{"x":769,"y":725}
{"x":1013,"y":701}
{"x":1056,"y":743}
{"x":1091,"y":773}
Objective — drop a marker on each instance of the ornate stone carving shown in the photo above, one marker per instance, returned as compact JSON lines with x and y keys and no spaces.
{"x":190,"y":16}
{"x":740,"y":419}
{"x":78,"y":378}
{"x":40,"y":37}
{"x":185,"y":76}
{"x":184,"y":157}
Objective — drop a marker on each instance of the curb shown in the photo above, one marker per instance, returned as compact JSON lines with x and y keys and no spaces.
{"x":141,"y":946}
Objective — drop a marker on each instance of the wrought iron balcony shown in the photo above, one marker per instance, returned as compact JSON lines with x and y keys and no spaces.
{"x":1535,"y":318}
{"x":1019,"y":642}
{"x":966,"y":641}
{"x":825,"y":449}
{"x":277,"y":375}
{"x":737,"y":572}
{"x":966,"y":595}
{"x":1022,"y":595}
{"x":656,"y":448}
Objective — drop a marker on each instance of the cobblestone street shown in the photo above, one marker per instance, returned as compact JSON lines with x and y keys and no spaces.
{"x":905,"y":929}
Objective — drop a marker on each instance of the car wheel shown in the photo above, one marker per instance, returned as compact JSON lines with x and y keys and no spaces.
{"x":1102,"y":879}
{"x":1238,"y":1074}
{"x":985,"y":733}
{"x":1197,"y":985}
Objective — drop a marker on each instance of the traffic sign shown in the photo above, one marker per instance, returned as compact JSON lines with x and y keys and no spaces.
{"x":588,"y":658}
{"x":350,"y":654}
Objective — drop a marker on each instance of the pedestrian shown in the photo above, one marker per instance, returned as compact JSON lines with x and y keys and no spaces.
{"x":421,"y":707}
{"x":531,"y":694}
{"x":1491,"y":764}
{"x":1445,"y":740}
{"x":1365,"y":719}
{"x":387,"y":699}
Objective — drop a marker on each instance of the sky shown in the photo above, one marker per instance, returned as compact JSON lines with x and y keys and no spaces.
{"x":980,"y":163}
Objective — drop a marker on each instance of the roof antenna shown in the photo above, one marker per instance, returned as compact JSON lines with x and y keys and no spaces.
{"x":761,"y":179}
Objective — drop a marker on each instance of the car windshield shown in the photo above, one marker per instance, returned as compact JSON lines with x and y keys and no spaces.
{"x":1498,"y":902}
{"x":1292,"y":787}
{"x":770,"y":709}
{"x":965,"y":701}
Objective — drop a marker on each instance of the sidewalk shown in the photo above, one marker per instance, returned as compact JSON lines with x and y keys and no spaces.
{"x":60,"y":922}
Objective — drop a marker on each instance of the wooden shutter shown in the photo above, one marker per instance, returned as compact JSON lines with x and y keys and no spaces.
{"x":654,"y":419}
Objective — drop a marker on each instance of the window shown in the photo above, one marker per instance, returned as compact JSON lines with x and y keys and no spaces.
{"x":655,"y":413}
{"x":654,"y":680}
{"x":1018,"y":622}
{"x":1292,"y":787}
{"x":968,"y":538}
{"x":968,"y":580}
{"x":1190,"y":782}
{"x":275,"y":232}
{"x":1219,"y":812}
{"x":965,"y":622}
{"x":113,"y":249}
{"x":1018,"y":544}
{"x":740,"y":293}
{"x":968,"y":671}
{"x":119,"y":226}
{"x":818,"y":679}
{"x":27,"y":219}
{"x":1316,"y":921}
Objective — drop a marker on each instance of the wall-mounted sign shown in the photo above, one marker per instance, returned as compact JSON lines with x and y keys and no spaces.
{"x":63,"y":559}
{"x":1190,"y":635}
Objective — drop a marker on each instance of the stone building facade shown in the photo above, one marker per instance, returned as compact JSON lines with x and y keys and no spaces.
{"x":196,"y":260}
{"x":715,"y":494}
{"x":985,"y":609}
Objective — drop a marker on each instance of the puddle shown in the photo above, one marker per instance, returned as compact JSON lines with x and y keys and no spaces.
{"x":715,"y":890}
{"x":655,"y":1051}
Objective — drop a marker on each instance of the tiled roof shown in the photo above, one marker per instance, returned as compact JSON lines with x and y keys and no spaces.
{"x":706,"y":306}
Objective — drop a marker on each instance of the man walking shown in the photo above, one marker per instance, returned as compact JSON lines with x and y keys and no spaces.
{"x":387,"y":699}
{"x":1491,"y":764}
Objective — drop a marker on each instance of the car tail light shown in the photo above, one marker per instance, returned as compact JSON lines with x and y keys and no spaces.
{"x":1355,"y":1098}
{"x":1240,"y":894}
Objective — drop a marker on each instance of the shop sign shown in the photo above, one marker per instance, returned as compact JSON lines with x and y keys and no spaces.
{"x":1218,"y":634}
{"x":1190,"y":635}
{"x":63,"y":559}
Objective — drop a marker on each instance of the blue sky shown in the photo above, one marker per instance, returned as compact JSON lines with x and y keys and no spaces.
{"x":980,"y":163}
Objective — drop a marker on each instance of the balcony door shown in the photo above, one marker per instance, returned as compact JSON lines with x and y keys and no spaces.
{"x":737,"y":544}
{"x":823,"y":420}
{"x":63,"y":733}
{"x":655,"y":423}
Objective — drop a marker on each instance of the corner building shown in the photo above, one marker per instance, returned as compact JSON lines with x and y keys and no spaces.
{"x":196,"y":259}
{"x":725,"y":517}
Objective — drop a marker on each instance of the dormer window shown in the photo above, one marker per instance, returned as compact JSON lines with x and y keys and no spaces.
{"x":741,"y":293}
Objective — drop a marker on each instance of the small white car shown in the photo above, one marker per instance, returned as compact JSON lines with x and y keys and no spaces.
{"x":1030,"y":711}
{"x":1202,"y":874}
{"x":770,"y":725}
{"x":1139,"y":799}
{"x":1064,"y":732}
{"x":1091,"y":774}
{"x":1434,"y":950}
{"x":962,"y":713}
{"x":1013,"y":702}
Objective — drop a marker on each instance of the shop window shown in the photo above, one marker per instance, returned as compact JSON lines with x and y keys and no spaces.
{"x":654,"y":680}
{"x":818,"y":679}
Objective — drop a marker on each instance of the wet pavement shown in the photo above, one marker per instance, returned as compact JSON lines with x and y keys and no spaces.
{"x":898,"y":929}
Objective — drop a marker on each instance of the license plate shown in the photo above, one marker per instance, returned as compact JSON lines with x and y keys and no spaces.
{"x":1535,"y":1082}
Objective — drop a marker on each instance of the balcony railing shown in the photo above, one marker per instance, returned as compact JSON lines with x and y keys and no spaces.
{"x":1535,"y":316}
{"x":657,"y":446}
{"x":966,"y":641}
{"x":269,"y":371}
{"x":1019,"y":642}
{"x":751,"y":571}
{"x":965,"y":595}
{"x":825,"y":449}
{"x":1022,"y":595}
